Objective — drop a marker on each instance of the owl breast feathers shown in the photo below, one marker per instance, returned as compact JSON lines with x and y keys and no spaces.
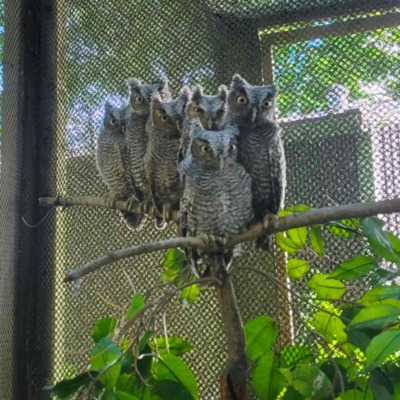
{"x":164,"y":129}
{"x":217,"y":190}
{"x":251,"y":109}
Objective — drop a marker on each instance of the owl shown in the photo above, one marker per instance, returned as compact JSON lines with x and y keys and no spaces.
{"x":217,"y":196}
{"x":164,"y":128}
{"x":209,"y":110}
{"x":113,"y":162}
{"x":251,"y":109}
{"x":135,"y":133}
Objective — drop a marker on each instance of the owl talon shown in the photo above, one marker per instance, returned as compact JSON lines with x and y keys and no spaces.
{"x":130,"y":203}
{"x":166,"y":214}
{"x":270,"y":220}
{"x":111,"y":201}
{"x":213,"y":241}
{"x":146,"y":208}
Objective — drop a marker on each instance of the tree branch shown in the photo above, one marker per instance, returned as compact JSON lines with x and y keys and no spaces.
{"x":305,"y":218}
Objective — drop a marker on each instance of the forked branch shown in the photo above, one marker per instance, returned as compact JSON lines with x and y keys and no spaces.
{"x":305,"y":218}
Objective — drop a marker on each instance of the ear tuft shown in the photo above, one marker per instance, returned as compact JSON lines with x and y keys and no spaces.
{"x":197,"y":94}
{"x":163,"y":88}
{"x":132,"y":83}
{"x":185,"y":93}
{"x":238,"y":81}
{"x":156,"y":100}
{"x":223,"y":92}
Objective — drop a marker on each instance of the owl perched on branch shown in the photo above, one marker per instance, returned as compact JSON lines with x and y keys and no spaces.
{"x":136,"y":136}
{"x":113,"y":162}
{"x":164,"y":128}
{"x":216,"y":201}
{"x":251,"y":109}
{"x":209,"y":110}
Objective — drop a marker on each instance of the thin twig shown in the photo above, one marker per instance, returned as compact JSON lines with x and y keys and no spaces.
{"x":305,"y":218}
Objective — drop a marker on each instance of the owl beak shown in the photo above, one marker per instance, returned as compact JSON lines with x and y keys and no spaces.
{"x":221,"y":162}
{"x":210,"y":124}
{"x":253,"y":114}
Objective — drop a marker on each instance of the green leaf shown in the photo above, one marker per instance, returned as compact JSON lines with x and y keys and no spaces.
{"x":355,"y":394}
{"x":375,"y":315}
{"x":67,"y":388}
{"x":380,"y":293}
{"x":104,"y":327}
{"x":171,"y":390}
{"x":261,"y":333}
{"x":177,"y":346}
{"x":325,"y":288}
{"x":174,"y":262}
{"x":286,"y":244}
{"x":298,"y":208}
{"x":345,"y":228}
{"x":354,"y":268}
{"x":296,"y":268}
{"x":291,"y":355}
{"x":145,"y":338}
{"x":380,"y":385}
{"x":330,"y":327}
{"x":268,"y":381}
{"x":317,"y":241}
{"x":189,"y":294}
{"x":379,"y":240}
{"x":298,"y":236}
{"x":124,"y":396}
{"x":381,"y":347}
{"x":127,"y":383}
{"x":311,"y":382}
{"x":105,"y":354}
{"x":144,"y":363}
{"x":136,"y":304}
{"x":172,"y":368}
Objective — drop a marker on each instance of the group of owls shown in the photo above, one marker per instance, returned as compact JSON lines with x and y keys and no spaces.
{"x":218,"y":159}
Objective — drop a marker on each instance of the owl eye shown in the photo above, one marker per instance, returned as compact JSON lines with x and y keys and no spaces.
{"x":267,"y":103}
{"x":232,"y":147}
{"x":113,"y":121}
{"x":241,"y":100}
{"x":139,"y":99}
{"x":204,"y":148}
{"x":198,"y":110}
{"x":164,"y":117}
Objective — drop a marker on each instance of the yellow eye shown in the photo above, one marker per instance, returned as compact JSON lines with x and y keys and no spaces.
{"x":267,"y":103}
{"x":198,"y":110}
{"x":232,"y":147}
{"x":241,"y":100}
{"x":204,"y":148}
{"x":164,"y":117}
{"x":139,"y":99}
{"x":113,"y":121}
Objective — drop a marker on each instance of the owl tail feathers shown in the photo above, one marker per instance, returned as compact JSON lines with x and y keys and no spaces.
{"x":264,"y":243}
{"x":134,"y":222}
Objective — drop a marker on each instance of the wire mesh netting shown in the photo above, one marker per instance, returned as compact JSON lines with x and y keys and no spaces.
{"x":336,"y":66}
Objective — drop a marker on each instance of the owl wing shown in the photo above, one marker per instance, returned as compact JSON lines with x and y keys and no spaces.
{"x":278,"y":174}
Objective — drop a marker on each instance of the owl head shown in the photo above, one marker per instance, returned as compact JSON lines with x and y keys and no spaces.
{"x":210,"y":110}
{"x":251,"y":105}
{"x":112,"y":118}
{"x":168,"y":116}
{"x":140,"y":94}
{"x":213,"y":149}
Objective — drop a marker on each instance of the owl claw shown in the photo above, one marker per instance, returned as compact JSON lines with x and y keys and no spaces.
{"x":146,"y":208}
{"x":130,"y":203}
{"x":270,"y":220}
{"x":166,"y":214}
{"x":111,"y":200}
{"x":213,"y":241}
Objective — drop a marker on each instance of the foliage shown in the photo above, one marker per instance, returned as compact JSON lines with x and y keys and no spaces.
{"x":358,"y":340}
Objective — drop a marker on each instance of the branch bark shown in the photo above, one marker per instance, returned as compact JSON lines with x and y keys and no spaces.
{"x":305,"y":218}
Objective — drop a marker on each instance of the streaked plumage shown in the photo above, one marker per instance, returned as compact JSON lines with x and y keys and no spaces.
{"x":164,"y":129}
{"x":113,"y":162}
{"x":217,"y":197}
{"x":251,"y":109}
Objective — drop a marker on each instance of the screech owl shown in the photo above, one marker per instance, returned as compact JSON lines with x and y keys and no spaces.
{"x":164,"y":128}
{"x":217,"y":198}
{"x":135,"y":133}
{"x":209,"y":110}
{"x":113,"y":162}
{"x":252,"y":110}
